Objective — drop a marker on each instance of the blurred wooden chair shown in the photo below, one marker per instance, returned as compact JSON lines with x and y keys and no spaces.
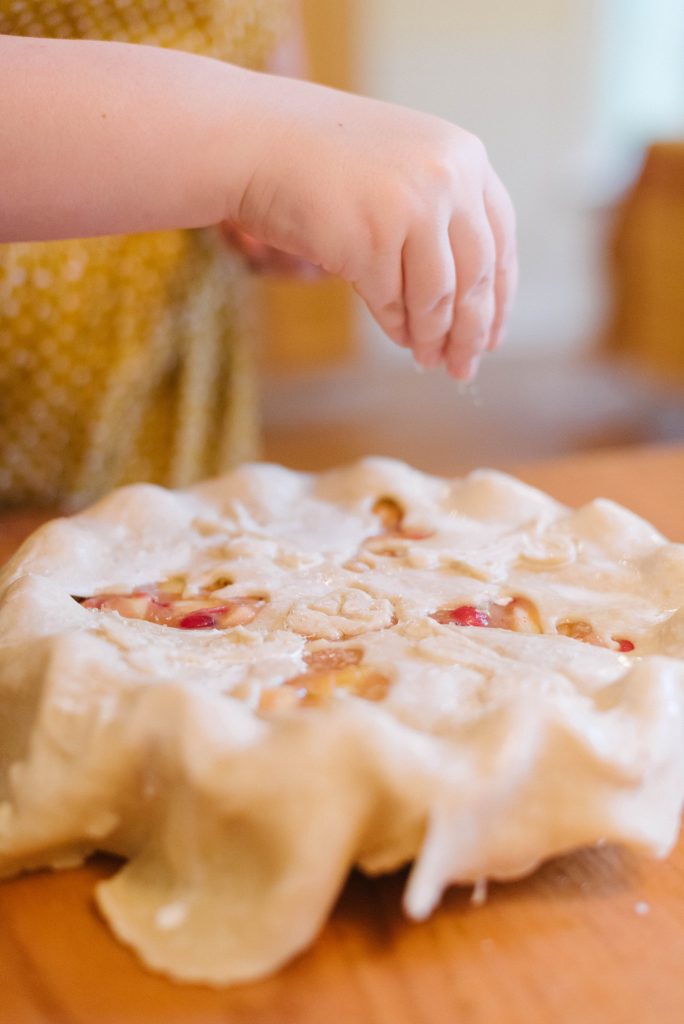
{"x":647,"y":260}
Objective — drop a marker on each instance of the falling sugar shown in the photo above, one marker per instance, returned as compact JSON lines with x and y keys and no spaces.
{"x":479,"y":894}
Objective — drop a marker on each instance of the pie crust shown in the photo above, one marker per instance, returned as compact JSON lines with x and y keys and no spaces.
{"x":430,"y":671}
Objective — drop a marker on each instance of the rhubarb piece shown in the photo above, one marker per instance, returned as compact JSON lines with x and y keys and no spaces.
{"x":519,"y":615}
{"x":198,"y":620}
{"x":464,"y":615}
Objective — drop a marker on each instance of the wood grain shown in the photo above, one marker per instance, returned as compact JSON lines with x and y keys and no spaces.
{"x":596,"y":937}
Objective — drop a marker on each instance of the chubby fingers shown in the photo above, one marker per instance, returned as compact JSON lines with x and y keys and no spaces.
{"x":458,"y":284}
{"x":501,"y":217}
{"x":474,"y":255}
{"x":412,"y":297}
{"x":446,"y":290}
{"x":429,"y":290}
{"x":438,"y":299}
{"x":484,"y":252}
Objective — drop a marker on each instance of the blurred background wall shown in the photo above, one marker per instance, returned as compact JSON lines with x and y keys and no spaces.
{"x":522,"y":76}
{"x":565,"y":94}
{"x":568,"y":96}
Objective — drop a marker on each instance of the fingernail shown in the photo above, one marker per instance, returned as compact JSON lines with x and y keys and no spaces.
{"x":469,"y":369}
{"x":429,"y":358}
{"x":496,"y":339}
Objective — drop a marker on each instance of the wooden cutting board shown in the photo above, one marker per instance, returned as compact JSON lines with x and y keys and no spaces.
{"x":592,"y":938}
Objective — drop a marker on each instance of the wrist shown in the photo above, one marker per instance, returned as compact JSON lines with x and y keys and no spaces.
{"x":242,"y":125}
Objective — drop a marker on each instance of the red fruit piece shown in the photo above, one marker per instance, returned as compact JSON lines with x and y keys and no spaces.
{"x":464,"y":615}
{"x":624,"y":646}
{"x":198,"y":620}
{"x":167,"y":608}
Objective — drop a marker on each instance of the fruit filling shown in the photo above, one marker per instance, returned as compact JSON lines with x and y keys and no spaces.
{"x":330,"y":669}
{"x":391,"y":516}
{"x":168,"y":607}
{"x":578,"y":629}
{"x":520,"y":615}
{"x":389,"y":512}
{"x":464,"y":615}
{"x":326,"y":659}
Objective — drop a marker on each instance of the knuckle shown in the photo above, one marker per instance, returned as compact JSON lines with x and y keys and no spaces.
{"x":475,"y":148}
{"x":440,"y":172}
{"x":393,"y":314}
{"x":418,"y":191}
{"x":429,"y":311}
{"x":480,"y":287}
{"x":380,"y":230}
{"x":443,"y":304}
{"x":414,"y":196}
{"x":429,"y":304}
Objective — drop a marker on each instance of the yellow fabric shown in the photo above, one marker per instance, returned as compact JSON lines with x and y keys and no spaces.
{"x":127,"y":358}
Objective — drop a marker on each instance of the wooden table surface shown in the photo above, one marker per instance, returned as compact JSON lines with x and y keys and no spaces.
{"x":592,"y":938}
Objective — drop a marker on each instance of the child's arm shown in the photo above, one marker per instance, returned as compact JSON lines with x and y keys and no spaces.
{"x":100,"y":138}
{"x":105,"y":138}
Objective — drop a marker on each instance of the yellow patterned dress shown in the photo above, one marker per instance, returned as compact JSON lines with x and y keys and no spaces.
{"x":127,"y":358}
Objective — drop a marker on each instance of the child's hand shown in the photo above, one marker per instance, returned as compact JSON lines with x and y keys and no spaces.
{"x":102,"y":138}
{"x":402,"y":204}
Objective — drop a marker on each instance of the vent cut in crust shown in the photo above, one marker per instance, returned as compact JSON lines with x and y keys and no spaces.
{"x":246,"y":688}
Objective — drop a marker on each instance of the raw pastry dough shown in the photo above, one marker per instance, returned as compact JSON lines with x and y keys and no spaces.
{"x":275,"y":676}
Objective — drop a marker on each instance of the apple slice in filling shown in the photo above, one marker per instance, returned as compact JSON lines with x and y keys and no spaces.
{"x":169,"y":608}
{"x":330,"y":669}
{"x":521,"y":615}
{"x":578,"y":629}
